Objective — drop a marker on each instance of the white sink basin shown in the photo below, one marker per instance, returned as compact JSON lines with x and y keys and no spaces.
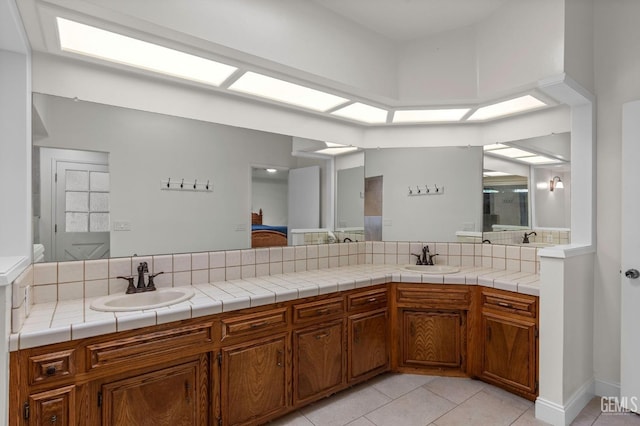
{"x":140,"y":301}
{"x":432,"y":269}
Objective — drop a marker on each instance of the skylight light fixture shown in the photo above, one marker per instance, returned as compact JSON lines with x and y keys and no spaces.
{"x":429,"y":115}
{"x":362,"y":112}
{"x":494,"y":146}
{"x":272,"y":170}
{"x":539,"y":159}
{"x":512,"y":152}
{"x":493,"y":174}
{"x":337,"y":150}
{"x":97,"y":43}
{"x":512,"y":106}
{"x":282,"y":91}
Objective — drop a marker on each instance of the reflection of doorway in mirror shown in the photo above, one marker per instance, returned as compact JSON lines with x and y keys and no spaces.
{"x":373,"y":208}
{"x":75,"y":190}
{"x":350,"y":198}
{"x":505,"y":202}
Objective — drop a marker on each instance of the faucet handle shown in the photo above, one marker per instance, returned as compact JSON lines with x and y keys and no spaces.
{"x":151,"y":286}
{"x":418,"y":261}
{"x":130,"y":288}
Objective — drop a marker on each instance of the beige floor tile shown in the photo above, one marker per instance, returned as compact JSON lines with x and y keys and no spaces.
{"x":293,"y":419}
{"x":455,"y":389}
{"x":362,"y":421}
{"x":617,"y":420}
{"x":594,"y":407}
{"x":483,"y":408}
{"x":508,"y":396}
{"x":418,"y":407}
{"x":396,"y":385}
{"x":529,"y":419}
{"x":345,"y":406}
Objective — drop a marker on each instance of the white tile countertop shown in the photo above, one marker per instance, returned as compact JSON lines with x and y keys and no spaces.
{"x":68,"y":320}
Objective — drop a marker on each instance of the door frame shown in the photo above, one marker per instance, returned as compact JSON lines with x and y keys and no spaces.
{"x":48,"y":165}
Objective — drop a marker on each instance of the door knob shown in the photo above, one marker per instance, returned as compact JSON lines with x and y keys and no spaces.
{"x":632,"y":274}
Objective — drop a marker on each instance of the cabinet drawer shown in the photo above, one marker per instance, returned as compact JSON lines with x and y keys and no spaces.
{"x":515,"y":303}
{"x":254,"y":323}
{"x":136,"y":348}
{"x":318,"y":310}
{"x":372,"y":299}
{"x":51,"y":366}
{"x":433,"y":295}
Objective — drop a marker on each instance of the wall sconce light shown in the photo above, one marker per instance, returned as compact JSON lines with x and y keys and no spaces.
{"x":556,"y":182}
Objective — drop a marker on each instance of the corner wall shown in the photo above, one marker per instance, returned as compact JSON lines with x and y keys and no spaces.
{"x":617,"y":66}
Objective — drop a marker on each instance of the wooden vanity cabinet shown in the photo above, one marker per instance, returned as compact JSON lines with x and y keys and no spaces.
{"x":368,"y":345}
{"x":255,"y":365}
{"x":368,"y":333}
{"x":174,"y":395}
{"x":53,"y":407}
{"x":318,"y":361}
{"x":431,"y":328}
{"x":319,"y":348}
{"x":255,"y":380}
{"x":509,"y":349}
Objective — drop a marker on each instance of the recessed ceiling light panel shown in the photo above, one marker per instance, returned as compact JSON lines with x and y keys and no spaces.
{"x":539,"y":159}
{"x":512,"y":106}
{"x":512,"y":152}
{"x":337,"y":151}
{"x":279,"y":90}
{"x":97,"y":43}
{"x":429,"y":115}
{"x":494,"y":146}
{"x":362,"y":112}
{"x":494,"y":174}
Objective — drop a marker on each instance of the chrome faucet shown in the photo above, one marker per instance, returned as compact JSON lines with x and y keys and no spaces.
{"x":525,"y":239}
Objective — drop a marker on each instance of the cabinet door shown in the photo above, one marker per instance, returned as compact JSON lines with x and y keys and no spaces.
{"x":368,"y":344}
{"x":318,"y":361}
{"x":53,"y":408}
{"x":509,"y":352}
{"x":170,"y":396}
{"x":432,"y":339}
{"x":255,"y":380}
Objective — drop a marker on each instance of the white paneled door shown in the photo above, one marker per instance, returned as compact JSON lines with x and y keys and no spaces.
{"x":630,"y":264}
{"x":81,"y":229}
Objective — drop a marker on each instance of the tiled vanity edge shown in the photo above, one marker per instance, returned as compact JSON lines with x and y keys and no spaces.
{"x":59,"y":285}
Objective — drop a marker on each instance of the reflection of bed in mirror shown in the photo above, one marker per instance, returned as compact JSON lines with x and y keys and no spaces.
{"x":266,"y":235}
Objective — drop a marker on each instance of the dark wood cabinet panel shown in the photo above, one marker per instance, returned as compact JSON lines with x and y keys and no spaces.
{"x":368,"y":344}
{"x":509,"y":355}
{"x":255,"y":380}
{"x":319,"y":362}
{"x":52,"y":408}
{"x":170,"y":396}
{"x":432,"y":339}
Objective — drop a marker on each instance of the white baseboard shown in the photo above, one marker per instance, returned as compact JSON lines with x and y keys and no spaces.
{"x":604,"y":388}
{"x":549,"y":412}
{"x":562,"y":415}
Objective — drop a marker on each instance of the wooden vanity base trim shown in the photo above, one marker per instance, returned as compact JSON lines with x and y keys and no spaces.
{"x":250,"y":362}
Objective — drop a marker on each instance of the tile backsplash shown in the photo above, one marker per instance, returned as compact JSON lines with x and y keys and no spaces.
{"x":60,"y":281}
{"x":543,"y":236}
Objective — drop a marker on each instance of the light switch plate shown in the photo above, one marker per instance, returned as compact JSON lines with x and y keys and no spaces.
{"x":122,"y":226}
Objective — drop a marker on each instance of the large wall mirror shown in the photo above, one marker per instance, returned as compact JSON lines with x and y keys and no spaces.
{"x":527,"y":184}
{"x":428,"y":194}
{"x":102,"y":171}
{"x":101,"y":181}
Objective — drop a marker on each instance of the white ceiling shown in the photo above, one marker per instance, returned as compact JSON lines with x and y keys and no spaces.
{"x":403,"y":20}
{"x":275,"y":36}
